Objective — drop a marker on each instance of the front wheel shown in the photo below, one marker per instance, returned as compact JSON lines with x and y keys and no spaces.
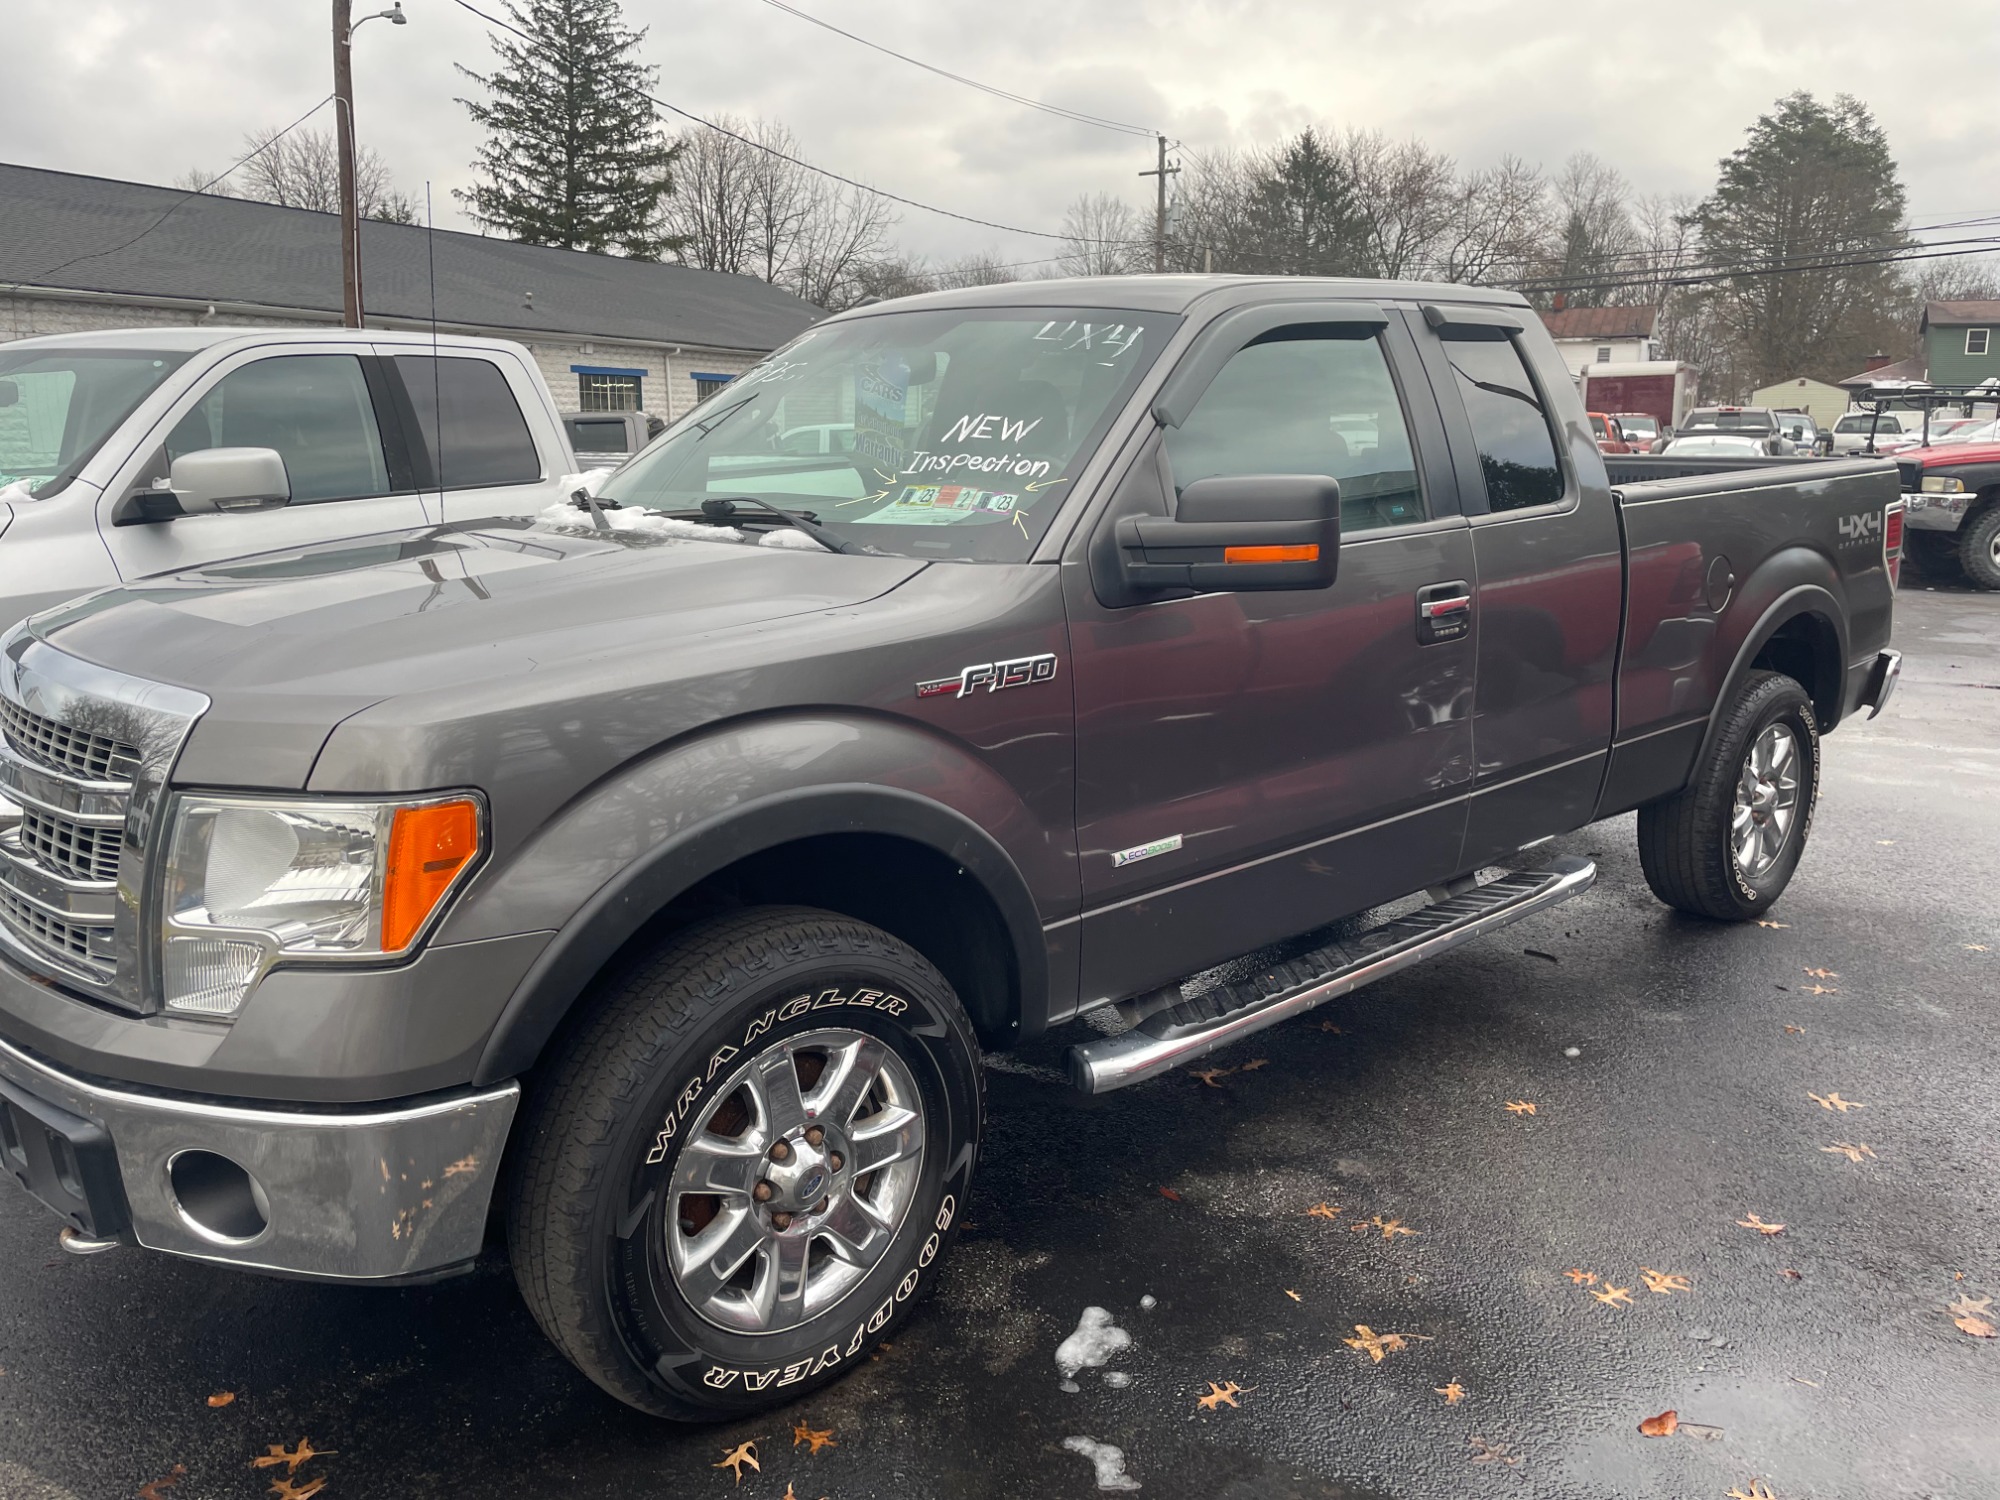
{"x":743,"y":1167}
{"x":1725,"y":845}
{"x":1979,"y":548}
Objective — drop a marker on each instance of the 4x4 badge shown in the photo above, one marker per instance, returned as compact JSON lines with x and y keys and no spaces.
{"x":993,"y":676}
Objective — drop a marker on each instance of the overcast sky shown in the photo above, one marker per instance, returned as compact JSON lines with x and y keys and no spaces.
{"x":144,"y":89}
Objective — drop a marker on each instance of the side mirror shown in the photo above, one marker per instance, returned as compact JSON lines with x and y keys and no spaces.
{"x":1237,"y":535}
{"x":224,"y":479}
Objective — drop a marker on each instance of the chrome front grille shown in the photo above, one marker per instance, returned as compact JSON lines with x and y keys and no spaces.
{"x":84,"y":758}
{"x":78,"y":752}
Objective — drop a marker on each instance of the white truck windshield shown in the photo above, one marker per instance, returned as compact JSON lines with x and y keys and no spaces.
{"x":58,"y":405}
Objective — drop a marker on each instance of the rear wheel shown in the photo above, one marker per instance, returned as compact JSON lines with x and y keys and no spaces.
{"x":1979,"y":547}
{"x":742,"y":1168}
{"x":1725,"y":846}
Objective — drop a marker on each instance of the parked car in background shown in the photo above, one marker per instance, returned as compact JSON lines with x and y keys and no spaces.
{"x":1951,"y":500}
{"x":1641,"y":430}
{"x":1717,"y":445}
{"x":676,"y":860}
{"x":818,"y":438}
{"x":1889,"y":429}
{"x":1610,"y":438}
{"x":128,"y":454}
{"x":605,"y":439}
{"x":1802,"y":432}
{"x":1759,"y":422}
{"x":1951,"y":428}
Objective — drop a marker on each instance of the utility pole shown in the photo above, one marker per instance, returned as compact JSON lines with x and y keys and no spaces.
{"x":1163,"y":172}
{"x":350,"y":212}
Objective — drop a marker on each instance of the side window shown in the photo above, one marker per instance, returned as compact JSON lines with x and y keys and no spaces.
{"x":486,"y":439}
{"x":1517,"y":446}
{"x":1307,"y":401}
{"x":313,"y":408}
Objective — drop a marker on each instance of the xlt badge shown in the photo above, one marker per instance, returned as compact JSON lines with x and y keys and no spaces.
{"x":993,"y":676}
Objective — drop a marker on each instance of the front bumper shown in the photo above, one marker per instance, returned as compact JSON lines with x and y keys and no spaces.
{"x":368,"y":1194}
{"x":1924,"y":512}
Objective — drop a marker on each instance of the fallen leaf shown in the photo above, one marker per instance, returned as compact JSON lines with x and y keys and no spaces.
{"x":1975,"y":947}
{"x":1819,"y":989}
{"x":1790,"y":1275}
{"x":291,"y":1459}
{"x":1375,"y":1345}
{"x":1581,"y":1277}
{"x":1614,"y":1296}
{"x":1329,"y":1026}
{"x":1209,"y":1075}
{"x":1848,"y":1150}
{"x":1223,"y":1395}
{"x":222,"y":1398}
{"x":1833,"y":1101}
{"x":1255,"y":1063}
{"x":1967,"y":1307}
{"x":1762,"y":923}
{"x":802,"y":1432}
{"x":1484,"y":1452}
{"x":1293,"y":1295}
{"x":1390,"y":1227}
{"x":1795,"y":1030}
{"x":1801,"y":1380}
{"x":1453,"y":1393}
{"x":284,"y":1489}
{"x":1661,"y":1426}
{"x":1520,"y":1107}
{"x":1979,"y":1328}
{"x":1661,"y":1282}
{"x":1753,"y":1222}
{"x":1323,"y":1211}
{"x":737,"y":1457}
{"x":1170,"y":1195}
{"x":1821,"y":974}
{"x":154,"y":1489}
{"x":1758,"y":1491}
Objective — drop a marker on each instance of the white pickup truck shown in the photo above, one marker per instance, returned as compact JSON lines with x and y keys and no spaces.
{"x":130,"y":454}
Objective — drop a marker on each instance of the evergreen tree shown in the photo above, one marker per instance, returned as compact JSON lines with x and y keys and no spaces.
{"x":1304,"y":214}
{"x":574,"y":155}
{"x":1812,"y":185}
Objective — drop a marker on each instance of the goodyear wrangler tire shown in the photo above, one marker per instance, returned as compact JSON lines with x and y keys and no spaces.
{"x":1726,"y":844}
{"x":742,"y":1169}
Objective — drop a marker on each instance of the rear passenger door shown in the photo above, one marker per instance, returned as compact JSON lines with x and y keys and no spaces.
{"x":470,"y":439}
{"x":325,"y":410}
{"x":1251,"y":765}
{"x":1549,"y":575}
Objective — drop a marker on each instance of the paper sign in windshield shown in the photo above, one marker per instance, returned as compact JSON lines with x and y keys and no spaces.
{"x":939,"y":505}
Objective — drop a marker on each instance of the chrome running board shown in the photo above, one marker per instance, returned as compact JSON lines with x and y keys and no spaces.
{"x":1183,"y":1028}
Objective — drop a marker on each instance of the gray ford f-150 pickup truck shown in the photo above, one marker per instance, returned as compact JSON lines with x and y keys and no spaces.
{"x":655,"y":873}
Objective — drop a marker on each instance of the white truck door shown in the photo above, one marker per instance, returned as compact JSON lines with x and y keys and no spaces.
{"x":324,"y":409}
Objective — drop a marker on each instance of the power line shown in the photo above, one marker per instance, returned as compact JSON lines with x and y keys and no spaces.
{"x":985,"y":88}
{"x":929,"y":208}
{"x":76,"y":260}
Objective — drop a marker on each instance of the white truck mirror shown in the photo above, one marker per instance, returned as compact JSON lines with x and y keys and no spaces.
{"x":221,"y":479}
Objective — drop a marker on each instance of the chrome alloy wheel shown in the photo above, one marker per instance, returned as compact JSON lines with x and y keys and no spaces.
{"x":1767,"y":801}
{"x":791,"y":1186}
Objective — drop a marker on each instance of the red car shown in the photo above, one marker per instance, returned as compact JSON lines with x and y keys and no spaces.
{"x":1610,"y":436}
{"x":1951,"y":500}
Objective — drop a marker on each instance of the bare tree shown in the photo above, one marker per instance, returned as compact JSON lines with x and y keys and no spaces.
{"x":982,"y":268}
{"x":1102,"y":237}
{"x":197,"y":180}
{"x":1208,"y":231}
{"x":1499,"y":223}
{"x":1406,"y":195}
{"x":841,"y":230}
{"x":892,"y":276}
{"x":714,"y":208}
{"x":302,"y":170}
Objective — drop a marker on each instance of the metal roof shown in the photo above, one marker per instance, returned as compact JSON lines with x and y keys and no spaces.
{"x":67,"y":232}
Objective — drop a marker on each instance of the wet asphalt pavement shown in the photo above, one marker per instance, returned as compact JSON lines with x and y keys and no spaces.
{"x":1820,"y":1361}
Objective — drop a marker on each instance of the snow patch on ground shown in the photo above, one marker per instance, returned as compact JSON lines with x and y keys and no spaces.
{"x":1107,"y":1460}
{"x":1096,"y":1339}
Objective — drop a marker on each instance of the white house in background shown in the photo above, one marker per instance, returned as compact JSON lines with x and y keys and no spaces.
{"x":1603,"y":335}
{"x":84,"y":253}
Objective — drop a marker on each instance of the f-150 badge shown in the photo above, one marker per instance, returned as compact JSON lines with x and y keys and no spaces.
{"x":993,"y":676}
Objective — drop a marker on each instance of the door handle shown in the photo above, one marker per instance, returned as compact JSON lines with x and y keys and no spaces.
{"x":1444,"y":612}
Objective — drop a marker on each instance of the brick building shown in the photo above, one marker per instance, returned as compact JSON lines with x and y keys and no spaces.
{"x":87,"y":253}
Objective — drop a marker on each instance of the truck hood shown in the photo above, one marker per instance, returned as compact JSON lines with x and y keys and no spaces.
{"x":286,"y":645}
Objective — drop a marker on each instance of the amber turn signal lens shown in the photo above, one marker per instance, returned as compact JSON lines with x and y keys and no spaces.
{"x":1305,"y":552}
{"x":429,"y":847}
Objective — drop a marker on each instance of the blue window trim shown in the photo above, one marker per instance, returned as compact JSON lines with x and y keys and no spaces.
{"x":696,"y":375}
{"x":604,"y":370}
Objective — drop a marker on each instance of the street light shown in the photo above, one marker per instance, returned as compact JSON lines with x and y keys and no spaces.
{"x":343,"y":110}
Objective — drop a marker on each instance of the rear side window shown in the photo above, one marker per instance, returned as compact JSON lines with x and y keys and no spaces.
{"x":1517,"y":446}
{"x":587,"y":436}
{"x":314,"y":409}
{"x":485,"y":437}
{"x":1307,"y":400}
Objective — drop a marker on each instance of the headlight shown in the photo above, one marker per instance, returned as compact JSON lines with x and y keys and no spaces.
{"x":1938,"y":485}
{"x":253,"y":881}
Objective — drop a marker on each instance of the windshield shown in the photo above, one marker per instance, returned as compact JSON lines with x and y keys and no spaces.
{"x":1730,"y":421}
{"x":1865,"y":423}
{"x":1639,"y":426}
{"x":58,"y":405}
{"x":949,"y":434}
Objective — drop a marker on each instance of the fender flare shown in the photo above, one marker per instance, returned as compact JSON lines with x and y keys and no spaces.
{"x":1797,"y":601}
{"x":549,"y":990}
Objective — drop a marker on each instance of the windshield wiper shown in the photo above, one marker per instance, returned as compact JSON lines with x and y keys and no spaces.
{"x":720,"y":511}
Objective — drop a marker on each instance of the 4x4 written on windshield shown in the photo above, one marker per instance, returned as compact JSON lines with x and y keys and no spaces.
{"x":943,"y":432}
